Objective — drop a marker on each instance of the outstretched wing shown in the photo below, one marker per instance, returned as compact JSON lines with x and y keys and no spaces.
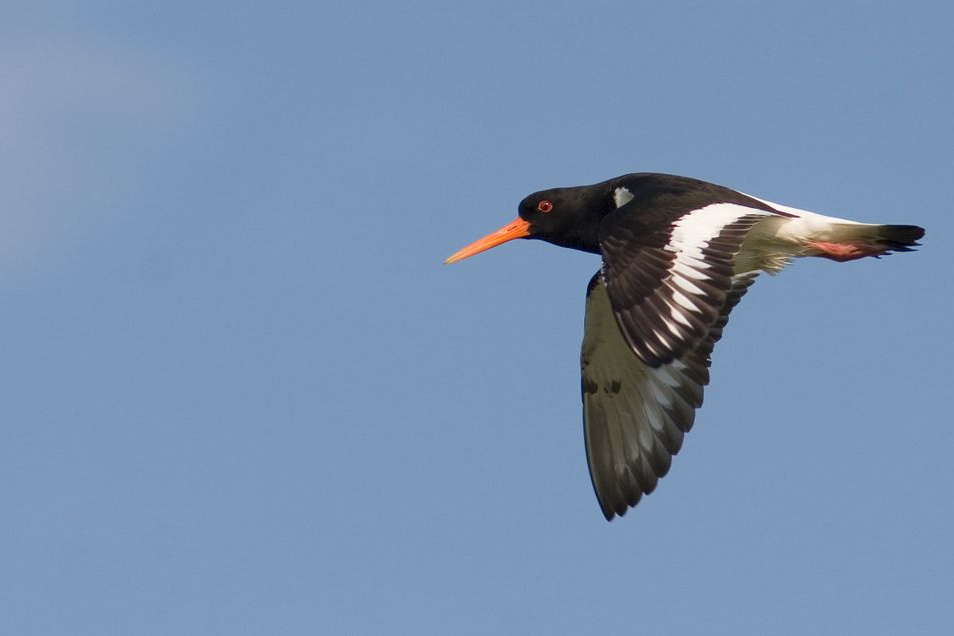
{"x":634,"y":414}
{"x":668,"y":272}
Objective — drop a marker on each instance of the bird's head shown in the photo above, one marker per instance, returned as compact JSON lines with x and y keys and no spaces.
{"x":568,"y":217}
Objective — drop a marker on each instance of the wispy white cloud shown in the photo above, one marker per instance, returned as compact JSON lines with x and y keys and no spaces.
{"x":71,"y":110}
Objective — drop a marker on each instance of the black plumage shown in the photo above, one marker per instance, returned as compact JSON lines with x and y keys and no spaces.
{"x":678,"y":255}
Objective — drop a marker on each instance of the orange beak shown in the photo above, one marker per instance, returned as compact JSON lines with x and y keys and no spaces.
{"x":518,"y":228}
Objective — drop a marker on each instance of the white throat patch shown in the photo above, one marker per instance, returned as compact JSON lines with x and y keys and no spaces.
{"x":622,"y":196}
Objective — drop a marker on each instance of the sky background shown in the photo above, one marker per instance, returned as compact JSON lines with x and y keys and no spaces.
{"x":239,"y":393}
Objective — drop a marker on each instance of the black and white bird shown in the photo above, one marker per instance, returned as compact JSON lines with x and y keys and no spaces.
{"x":678,"y":255}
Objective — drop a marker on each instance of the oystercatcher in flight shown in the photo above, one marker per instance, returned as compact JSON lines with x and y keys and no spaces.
{"x":678,"y":255}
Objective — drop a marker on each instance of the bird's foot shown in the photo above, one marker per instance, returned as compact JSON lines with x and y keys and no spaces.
{"x":842,"y":252}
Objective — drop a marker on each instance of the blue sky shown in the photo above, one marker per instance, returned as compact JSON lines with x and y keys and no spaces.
{"x":241,"y":394}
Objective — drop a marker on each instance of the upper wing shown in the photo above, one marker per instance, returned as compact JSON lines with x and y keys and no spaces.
{"x":635,"y":415}
{"x":668,"y":270}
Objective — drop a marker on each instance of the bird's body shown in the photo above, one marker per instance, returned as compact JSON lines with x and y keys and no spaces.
{"x":678,"y":255}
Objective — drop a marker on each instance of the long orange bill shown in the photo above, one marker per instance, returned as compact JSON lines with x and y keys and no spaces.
{"x":518,"y":228}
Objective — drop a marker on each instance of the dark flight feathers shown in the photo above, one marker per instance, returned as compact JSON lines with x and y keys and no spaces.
{"x":635,"y":414}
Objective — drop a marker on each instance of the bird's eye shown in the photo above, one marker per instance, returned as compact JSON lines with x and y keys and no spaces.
{"x":544,"y":206}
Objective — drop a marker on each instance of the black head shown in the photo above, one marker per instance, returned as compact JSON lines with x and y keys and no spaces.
{"x":568,"y":217}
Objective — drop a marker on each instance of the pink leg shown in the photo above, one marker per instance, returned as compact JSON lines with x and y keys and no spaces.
{"x":842,"y":252}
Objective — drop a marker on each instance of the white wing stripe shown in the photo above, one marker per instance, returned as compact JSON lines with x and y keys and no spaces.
{"x":682,"y":267}
{"x":700,"y":226}
{"x":683,"y":300}
{"x":687,"y":285}
{"x":678,"y":317}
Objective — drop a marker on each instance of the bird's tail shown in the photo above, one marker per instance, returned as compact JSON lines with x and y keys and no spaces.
{"x":856,"y":240}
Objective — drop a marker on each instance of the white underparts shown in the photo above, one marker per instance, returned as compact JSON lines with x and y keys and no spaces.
{"x":775,"y":240}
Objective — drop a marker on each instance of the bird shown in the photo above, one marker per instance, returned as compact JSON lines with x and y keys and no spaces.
{"x":678,"y":254}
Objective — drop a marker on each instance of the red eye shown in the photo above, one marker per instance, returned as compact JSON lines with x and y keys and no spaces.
{"x":544,"y":206}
